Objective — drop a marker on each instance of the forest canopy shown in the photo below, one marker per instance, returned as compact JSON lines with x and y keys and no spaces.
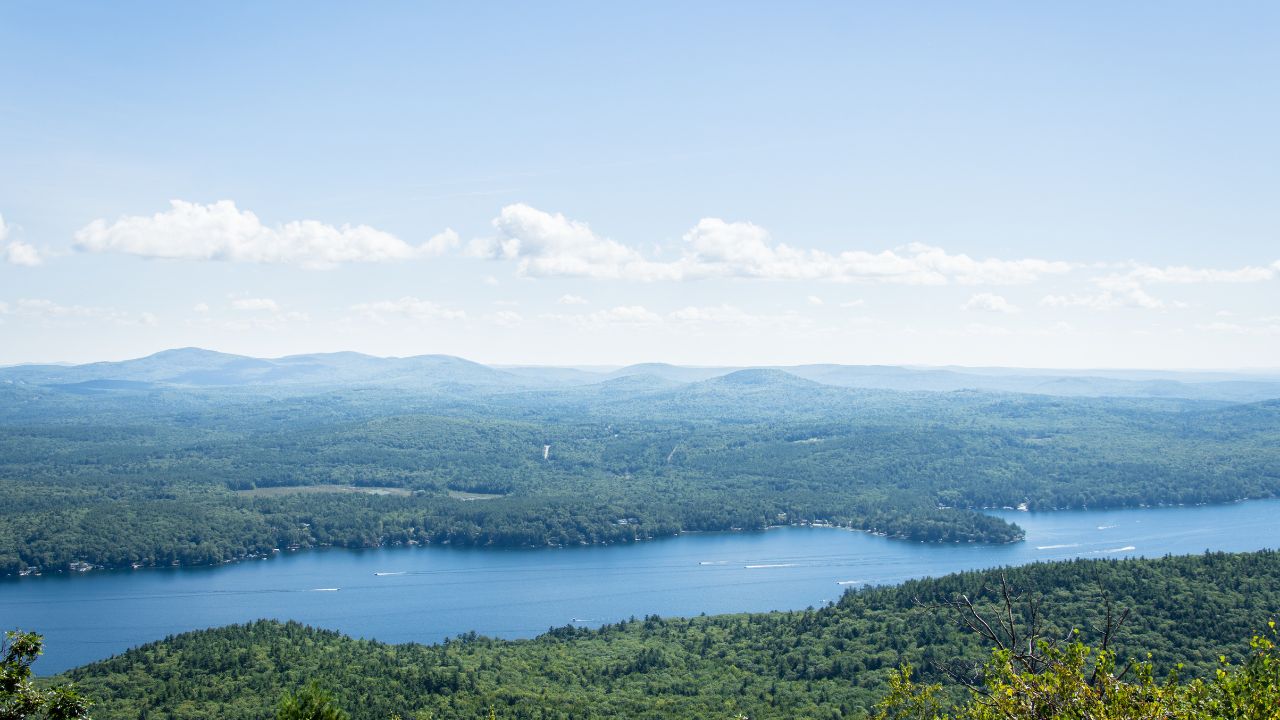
{"x":165,"y":475}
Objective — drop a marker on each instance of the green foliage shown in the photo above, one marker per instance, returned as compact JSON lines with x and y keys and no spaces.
{"x":309,"y":703}
{"x":1077,"y":681}
{"x":20,"y":698}
{"x":832,"y":662}
{"x":1250,"y":691}
{"x":158,"y":477}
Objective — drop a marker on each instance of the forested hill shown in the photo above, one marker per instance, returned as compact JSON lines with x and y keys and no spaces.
{"x":125,"y":472}
{"x":198,"y":368}
{"x":825,"y":663}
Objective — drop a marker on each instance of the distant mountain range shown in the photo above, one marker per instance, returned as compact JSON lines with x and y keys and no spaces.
{"x":197,"y":368}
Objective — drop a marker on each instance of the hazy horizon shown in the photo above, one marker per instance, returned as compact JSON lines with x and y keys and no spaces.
{"x":608,"y":367}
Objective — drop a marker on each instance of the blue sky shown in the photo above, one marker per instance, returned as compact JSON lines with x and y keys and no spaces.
{"x":1018,"y":184}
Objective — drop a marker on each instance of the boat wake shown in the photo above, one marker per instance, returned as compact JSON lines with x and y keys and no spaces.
{"x":770,"y":565}
{"x":1057,"y":547}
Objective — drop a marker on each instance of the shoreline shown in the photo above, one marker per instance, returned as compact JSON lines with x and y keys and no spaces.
{"x":82,"y":568}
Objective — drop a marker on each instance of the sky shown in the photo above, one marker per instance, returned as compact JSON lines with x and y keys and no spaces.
{"x":1053,"y":184}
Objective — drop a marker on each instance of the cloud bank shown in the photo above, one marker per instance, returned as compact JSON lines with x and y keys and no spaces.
{"x":989,"y":302}
{"x":551,"y":245}
{"x":47,"y":310}
{"x":406,"y":307}
{"x":221,"y":231}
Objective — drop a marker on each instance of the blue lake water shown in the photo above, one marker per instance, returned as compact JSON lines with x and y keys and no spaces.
{"x":426,"y":594}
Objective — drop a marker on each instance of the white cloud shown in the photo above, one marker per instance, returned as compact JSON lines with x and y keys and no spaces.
{"x":1128,"y":290}
{"x":1264,"y":328}
{"x":853,"y":303}
{"x":572,"y":300}
{"x":690,"y":316}
{"x":257,"y":318}
{"x":734,"y":316}
{"x":256,"y":304}
{"x":442,"y":242}
{"x":21,"y":253}
{"x":741,"y":249}
{"x":991,"y":271}
{"x":815,"y":300}
{"x":506,"y":318}
{"x":989,"y":302}
{"x":620,"y":315}
{"x":987,"y":330}
{"x":17,"y":252}
{"x":544,"y":245}
{"x":1133,"y":297}
{"x":407,"y":307}
{"x":1186,"y":275}
{"x":738,"y":249}
{"x":220,"y":231}
{"x":724,"y":314}
{"x":253,"y":313}
{"x":44,"y":309}
{"x":552,"y":245}
{"x":625,"y":314}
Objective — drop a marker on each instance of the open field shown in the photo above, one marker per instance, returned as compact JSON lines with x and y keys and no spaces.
{"x":460,"y":495}
{"x":312,"y":489}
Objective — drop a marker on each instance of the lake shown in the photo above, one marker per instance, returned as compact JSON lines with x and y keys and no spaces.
{"x":426,"y":594}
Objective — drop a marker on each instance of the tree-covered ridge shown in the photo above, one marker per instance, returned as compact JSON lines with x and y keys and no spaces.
{"x":195,"y":367}
{"x":1071,"y":679}
{"x":157,"y":477}
{"x":825,"y":663}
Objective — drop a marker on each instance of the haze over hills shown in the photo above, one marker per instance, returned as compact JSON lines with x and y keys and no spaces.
{"x":194,"y":367}
{"x":167,"y":456}
{"x":206,"y":368}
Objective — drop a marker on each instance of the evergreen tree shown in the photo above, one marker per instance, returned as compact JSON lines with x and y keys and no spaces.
{"x":309,"y":703}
